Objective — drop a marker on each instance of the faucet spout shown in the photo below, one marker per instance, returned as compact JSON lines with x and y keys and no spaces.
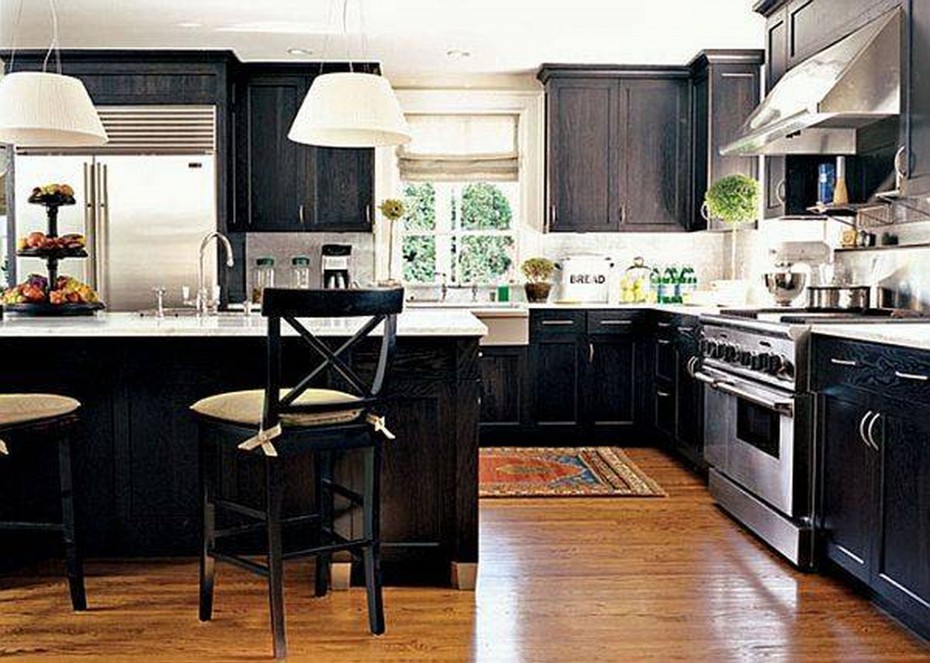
{"x":205,"y":301}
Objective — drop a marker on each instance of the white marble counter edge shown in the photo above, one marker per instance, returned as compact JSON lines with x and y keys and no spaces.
{"x":423,"y":323}
{"x":914,"y":335}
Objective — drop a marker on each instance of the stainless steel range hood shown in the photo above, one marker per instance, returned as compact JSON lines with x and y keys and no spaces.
{"x":817,"y":107}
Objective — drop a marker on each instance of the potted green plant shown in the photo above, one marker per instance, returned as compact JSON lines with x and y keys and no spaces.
{"x":537,"y":271}
{"x":734,"y":200}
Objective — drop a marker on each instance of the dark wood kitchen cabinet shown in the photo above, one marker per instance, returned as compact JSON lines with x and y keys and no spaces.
{"x":617,"y":147}
{"x":677,"y":404}
{"x":874,"y":440}
{"x":583,"y":368}
{"x":725,"y":88}
{"x":504,"y":389}
{"x":285,"y":186}
{"x":915,"y":124}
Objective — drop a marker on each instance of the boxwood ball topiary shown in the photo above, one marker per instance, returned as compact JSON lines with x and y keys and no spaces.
{"x":733,"y":199}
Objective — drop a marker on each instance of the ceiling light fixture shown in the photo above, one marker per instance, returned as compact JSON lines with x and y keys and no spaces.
{"x":350,"y":109}
{"x":43,"y":109}
{"x":300,"y":51}
{"x":458,"y":54}
{"x":190,"y":24}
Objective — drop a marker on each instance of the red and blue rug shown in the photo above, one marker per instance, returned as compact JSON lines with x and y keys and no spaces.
{"x":562,"y":472}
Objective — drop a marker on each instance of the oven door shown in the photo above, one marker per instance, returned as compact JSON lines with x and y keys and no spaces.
{"x":749,"y":431}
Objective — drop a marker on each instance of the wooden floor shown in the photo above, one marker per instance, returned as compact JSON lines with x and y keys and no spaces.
{"x":560,"y":580}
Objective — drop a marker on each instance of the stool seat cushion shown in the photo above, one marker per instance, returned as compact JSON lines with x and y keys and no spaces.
{"x":26,"y":408}
{"x":246,"y":407}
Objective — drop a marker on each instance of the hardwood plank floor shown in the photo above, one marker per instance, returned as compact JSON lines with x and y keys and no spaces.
{"x":560,"y":580}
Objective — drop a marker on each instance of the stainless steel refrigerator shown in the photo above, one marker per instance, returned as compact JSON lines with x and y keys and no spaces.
{"x":143,"y":215}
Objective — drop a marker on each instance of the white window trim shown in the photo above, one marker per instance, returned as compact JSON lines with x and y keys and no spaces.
{"x":528,"y":105}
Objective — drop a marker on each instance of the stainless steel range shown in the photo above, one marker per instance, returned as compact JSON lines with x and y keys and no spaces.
{"x":759,"y":420}
{"x":758,"y":428}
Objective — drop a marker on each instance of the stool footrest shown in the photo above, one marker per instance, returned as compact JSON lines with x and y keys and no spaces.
{"x":22,"y":526}
{"x":241,"y":562}
{"x":257,"y":527}
{"x":235,"y":507}
{"x":331,"y":548}
{"x":349,"y":494}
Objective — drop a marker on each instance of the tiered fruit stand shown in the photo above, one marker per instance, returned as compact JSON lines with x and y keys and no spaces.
{"x":52,"y":256}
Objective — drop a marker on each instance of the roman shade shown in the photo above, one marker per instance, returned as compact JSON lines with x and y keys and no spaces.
{"x":461,"y":148}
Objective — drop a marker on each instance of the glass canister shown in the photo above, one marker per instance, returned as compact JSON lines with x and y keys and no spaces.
{"x":300,"y":272}
{"x":262,"y":277}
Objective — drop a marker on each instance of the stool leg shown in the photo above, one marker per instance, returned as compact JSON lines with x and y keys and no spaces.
{"x":324,"y":473}
{"x":371,"y":553}
{"x":274,"y":499}
{"x":207,"y":473}
{"x":72,"y":551}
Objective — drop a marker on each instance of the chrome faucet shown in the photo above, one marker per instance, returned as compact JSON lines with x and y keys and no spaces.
{"x":206,"y":301}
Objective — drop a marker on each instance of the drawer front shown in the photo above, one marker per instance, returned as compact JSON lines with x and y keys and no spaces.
{"x":612,"y":322}
{"x":556,"y":323}
{"x":887,"y":370}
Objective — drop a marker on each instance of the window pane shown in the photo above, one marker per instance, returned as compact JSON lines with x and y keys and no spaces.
{"x":419,"y":259}
{"x":420,"y":201}
{"x":485,"y":260}
{"x":485,"y":207}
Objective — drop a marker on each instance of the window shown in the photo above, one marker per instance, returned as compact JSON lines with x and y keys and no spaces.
{"x":461,"y":189}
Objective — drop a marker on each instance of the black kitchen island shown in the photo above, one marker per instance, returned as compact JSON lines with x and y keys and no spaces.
{"x":136,"y":458}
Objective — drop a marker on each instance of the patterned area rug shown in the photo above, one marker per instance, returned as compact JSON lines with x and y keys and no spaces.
{"x":562,"y":472}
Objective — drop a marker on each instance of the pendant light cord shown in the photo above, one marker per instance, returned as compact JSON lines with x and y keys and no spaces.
{"x":54,"y":45}
{"x":16,"y":21}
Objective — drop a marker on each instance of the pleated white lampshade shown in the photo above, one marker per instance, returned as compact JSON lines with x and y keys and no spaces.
{"x":349,"y":109}
{"x":40,"y":109}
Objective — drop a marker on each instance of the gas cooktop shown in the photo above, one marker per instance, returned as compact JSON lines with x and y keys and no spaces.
{"x":803,"y":316}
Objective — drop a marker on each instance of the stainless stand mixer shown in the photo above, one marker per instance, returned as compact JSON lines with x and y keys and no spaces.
{"x":785,"y":283}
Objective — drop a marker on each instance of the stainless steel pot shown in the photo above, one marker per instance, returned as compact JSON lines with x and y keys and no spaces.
{"x":839,"y":297}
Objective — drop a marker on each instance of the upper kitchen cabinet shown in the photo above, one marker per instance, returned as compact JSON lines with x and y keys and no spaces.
{"x":618,"y":141}
{"x":285,"y":186}
{"x":122,"y":78}
{"x":915,"y":125}
{"x":726,"y":90}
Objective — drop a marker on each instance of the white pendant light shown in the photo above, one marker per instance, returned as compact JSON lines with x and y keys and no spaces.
{"x":44,"y":109}
{"x":40,"y":109}
{"x":350,"y":109}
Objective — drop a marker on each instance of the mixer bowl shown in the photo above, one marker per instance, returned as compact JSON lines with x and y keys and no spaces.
{"x":785,"y":286}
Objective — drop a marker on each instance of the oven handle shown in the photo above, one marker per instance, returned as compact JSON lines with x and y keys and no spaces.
{"x":784,"y":407}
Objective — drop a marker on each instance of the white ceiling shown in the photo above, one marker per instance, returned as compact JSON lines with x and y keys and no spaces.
{"x":411,"y":37}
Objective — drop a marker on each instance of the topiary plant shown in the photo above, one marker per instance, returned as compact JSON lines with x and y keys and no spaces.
{"x":537,"y":270}
{"x":733,"y":199}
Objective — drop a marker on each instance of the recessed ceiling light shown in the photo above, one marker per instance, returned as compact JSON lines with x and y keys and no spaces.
{"x":458,"y":54}
{"x":300,"y":51}
{"x":190,"y":24}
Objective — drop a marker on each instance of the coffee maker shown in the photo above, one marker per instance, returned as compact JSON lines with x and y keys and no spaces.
{"x":334,"y":262}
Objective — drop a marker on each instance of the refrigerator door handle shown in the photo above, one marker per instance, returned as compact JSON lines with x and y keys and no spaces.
{"x":102,"y":218}
{"x":90,"y":222}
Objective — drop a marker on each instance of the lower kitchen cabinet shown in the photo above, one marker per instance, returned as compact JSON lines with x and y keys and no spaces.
{"x":874,"y":441}
{"x":678,"y":404}
{"x":504,"y":394}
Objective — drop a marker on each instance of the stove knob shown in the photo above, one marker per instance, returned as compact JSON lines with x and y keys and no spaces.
{"x":759,"y":361}
{"x":708,"y":347}
{"x":780,"y":366}
{"x":787,"y":369}
{"x":746,"y":358}
{"x":732,"y":353}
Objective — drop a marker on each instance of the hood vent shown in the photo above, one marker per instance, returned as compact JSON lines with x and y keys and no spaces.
{"x":149,"y":130}
{"x":818,"y":106}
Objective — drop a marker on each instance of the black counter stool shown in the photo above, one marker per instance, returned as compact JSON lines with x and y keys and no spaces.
{"x":284,"y":423}
{"x":31,"y":418}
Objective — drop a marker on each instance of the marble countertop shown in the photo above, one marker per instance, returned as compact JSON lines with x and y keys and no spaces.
{"x":906,"y":334}
{"x":516,"y":308}
{"x":411,"y":323}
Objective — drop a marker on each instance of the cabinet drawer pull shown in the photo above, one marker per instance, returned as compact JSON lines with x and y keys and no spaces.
{"x":557,"y":323}
{"x":616,"y":323}
{"x":663,"y":341}
{"x":663,"y":394}
{"x":590,"y":353}
{"x":900,"y":163}
{"x":685,"y":330}
{"x":911,"y":376}
{"x":780,"y":192}
{"x":843,"y":362}
{"x":300,"y":214}
{"x":663,"y":325}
